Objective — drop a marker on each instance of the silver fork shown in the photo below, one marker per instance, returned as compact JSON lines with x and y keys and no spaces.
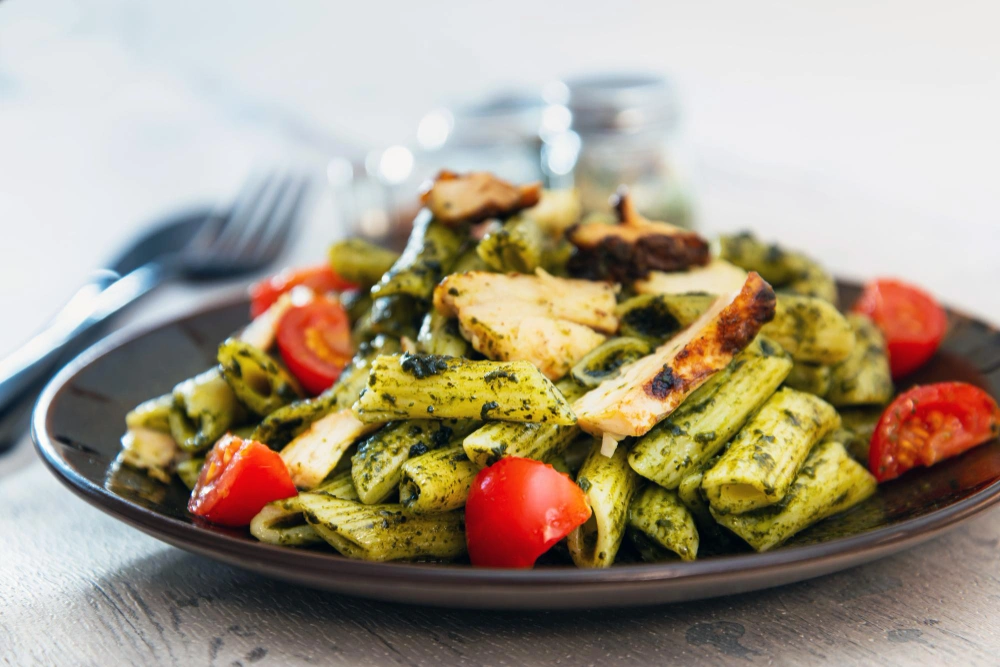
{"x":241,"y":238}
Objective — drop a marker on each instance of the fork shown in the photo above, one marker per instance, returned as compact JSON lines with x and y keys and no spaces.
{"x":244,"y":237}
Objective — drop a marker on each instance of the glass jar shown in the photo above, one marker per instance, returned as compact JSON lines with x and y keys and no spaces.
{"x":498,"y":135}
{"x":600,"y":132}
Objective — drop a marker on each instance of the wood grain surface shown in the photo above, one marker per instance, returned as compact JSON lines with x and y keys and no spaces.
{"x":78,"y":588}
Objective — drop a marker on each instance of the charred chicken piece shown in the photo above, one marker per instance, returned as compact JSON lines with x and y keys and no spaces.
{"x":628,"y":251}
{"x":477,"y":196}
{"x":650,"y":388}
{"x":551,"y":322}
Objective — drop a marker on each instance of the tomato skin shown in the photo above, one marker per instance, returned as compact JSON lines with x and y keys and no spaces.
{"x":929,"y":423}
{"x":517,"y":509}
{"x":321,"y":279}
{"x":912,"y":322}
{"x":239,"y":477}
{"x":315,"y":342}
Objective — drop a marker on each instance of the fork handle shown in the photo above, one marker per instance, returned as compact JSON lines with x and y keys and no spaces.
{"x":102,"y":296}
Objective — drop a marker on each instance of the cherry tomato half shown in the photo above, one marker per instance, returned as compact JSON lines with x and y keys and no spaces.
{"x":320,"y":278}
{"x":517,"y":509}
{"x":930,"y":423}
{"x":912,"y":322}
{"x":239,"y":477}
{"x":315,"y":342}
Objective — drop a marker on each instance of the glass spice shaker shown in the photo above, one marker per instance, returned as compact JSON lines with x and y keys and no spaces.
{"x":499,"y":134}
{"x":600,"y":132}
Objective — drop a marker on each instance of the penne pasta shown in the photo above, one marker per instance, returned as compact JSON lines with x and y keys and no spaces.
{"x":765,"y":456}
{"x":427,"y":386}
{"x":383,"y":532}
{"x":610,"y":485}
{"x":376,"y":468}
{"x":864,"y":377}
{"x":830,"y":482}
{"x":659,"y":523}
{"x":437,"y":481}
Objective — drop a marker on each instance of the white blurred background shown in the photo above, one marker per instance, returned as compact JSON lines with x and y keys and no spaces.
{"x":864,"y":132}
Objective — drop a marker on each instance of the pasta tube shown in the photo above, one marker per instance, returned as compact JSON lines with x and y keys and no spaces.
{"x":440,"y":335}
{"x":859,"y":424}
{"x":610,"y":485}
{"x":786,"y":270}
{"x":810,"y":378}
{"x":750,"y":254}
{"x":357,"y":303}
{"x":691,"y":496}
{"x":428,"y":386}
{"x":659,"y":521}
{"x":383,"y":532}
{"x":469,"y":260}
{"x":812,"y":280}
{"x":437,"y":481}
{"x":495,"y":440}
{"x":657,"y":317}
{"x":864,"y":377}
{"x":810,"y":329}
{"x":395,"y":316}
{"x":153,"y":414}
{"x":376,"y":467}
{"x":189,"y":471}
{"x":361,"y":261}
{"x":556,"y":211}
{"x":282,"y":523}
{"x":514,"y":247}
{"x":764,"y":457}
{"x":206,"y":409}
{"x":427,"y":258}
{"x":149,"y":450}
{"x":256,"y":379}
{"x":605,"y":361}
{"x":829,"y":482}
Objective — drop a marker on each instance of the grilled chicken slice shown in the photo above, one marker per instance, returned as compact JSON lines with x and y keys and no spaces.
{"x":581,"y":301}
{"x":551,"y":322}
{"x":476,"y":196}
{"x":651,"y":388}
{"x":311,"y":456}
{"x":630,"y":250}
{"x":717,"y":277}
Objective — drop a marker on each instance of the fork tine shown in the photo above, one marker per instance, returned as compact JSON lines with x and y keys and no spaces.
{"x":243,"y":243}
{"x":280,"y":225}
{"x":247,"y":202}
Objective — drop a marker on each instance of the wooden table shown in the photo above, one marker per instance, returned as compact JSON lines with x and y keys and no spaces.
{"x":80,"y":588}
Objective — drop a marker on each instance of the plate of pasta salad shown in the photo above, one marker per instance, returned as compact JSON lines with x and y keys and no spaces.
{"x":525,"y":406}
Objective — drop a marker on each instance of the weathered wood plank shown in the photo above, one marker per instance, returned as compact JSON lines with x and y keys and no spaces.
{"x":76,"y":587}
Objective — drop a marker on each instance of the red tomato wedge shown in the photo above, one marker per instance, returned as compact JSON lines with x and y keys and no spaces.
{"x":239,"y":477}
{"x":517,"y":509}
{"x":930,"y":423}
{"x":912,"y":322}
{"x":315,"y":342}
{"x":320,"y":278}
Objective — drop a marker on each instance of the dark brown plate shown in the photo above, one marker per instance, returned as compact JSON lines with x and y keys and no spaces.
{"x":80,"y":417}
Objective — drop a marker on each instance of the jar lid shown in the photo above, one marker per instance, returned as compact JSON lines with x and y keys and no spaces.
{"x":622,"y":102}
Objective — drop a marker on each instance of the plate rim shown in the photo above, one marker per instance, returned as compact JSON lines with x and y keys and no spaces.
{"x":301,"y":564}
